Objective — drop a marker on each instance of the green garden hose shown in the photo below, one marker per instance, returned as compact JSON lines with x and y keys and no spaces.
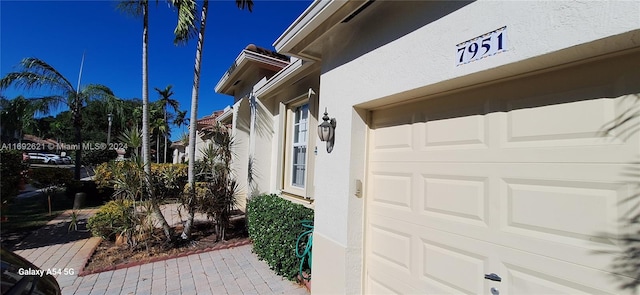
{"x":306,"y":254}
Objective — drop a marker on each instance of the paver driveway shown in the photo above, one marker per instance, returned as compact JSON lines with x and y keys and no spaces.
{"x":227,"y":271}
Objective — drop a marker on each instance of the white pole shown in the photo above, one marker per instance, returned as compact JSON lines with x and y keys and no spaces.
{"x":80,"y":74}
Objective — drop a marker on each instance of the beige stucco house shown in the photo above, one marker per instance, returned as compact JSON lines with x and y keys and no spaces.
{"x":470,"y":140}
{"x":203,"y":139}
{"x":179,"y":151}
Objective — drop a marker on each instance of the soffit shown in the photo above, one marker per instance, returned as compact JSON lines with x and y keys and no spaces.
{"x":245,"y":65}
{"x":304,"y":38}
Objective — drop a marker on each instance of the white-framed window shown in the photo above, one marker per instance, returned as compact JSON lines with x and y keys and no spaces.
{"x":299,"y":145}
{"x":296,"y":140}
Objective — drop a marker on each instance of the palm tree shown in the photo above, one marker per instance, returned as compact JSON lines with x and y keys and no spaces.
{"x":132,"y":137}
{"x":141,"y":8}
{"x":181,"y":119}
{"x":158,"y":126}
{"x":166,"y":100}
{"x":116,"y":106}
{"x":16,"y":116}
{"x":35,"y":74}
{"x":185,"y":30}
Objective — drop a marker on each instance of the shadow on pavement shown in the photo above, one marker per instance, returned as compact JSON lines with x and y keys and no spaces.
{"x":53,"y":234}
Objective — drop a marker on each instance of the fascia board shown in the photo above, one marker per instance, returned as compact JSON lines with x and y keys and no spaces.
{"x":282,"y":77}
{"x":309,"y":20}
{"x":227,"y":113}
{"x":243,"y":60}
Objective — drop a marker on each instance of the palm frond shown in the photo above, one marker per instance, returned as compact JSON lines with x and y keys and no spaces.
{"x":44,"y":104}
{"x":94,"y":91}
{"x":35,"y":73}
{"x":186,"y":27}
{"x":34,"y":81}
{"x":181,"y":118}
{"x":245,"y":3}
{"x":132,"y":8}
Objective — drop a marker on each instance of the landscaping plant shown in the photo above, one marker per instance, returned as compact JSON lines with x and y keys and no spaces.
{"x":216,"y":192}
{"x":274,"y":227}
{"x":50,"y":179}
{"x":114,"y":217}
{"x":12,"y":175}
{"x":11,"y":168}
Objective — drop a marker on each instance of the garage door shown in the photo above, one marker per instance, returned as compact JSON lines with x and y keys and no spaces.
{"x":515,"y":179}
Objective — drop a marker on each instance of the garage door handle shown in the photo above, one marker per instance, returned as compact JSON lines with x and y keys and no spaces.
{"x":493,"y":277}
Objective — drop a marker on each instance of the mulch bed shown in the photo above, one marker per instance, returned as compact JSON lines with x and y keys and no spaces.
{"x":109,"y":256}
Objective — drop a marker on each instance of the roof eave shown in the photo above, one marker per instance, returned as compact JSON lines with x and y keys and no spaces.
{"x":245,"y":59}
{"x":313,"y":25}
{"x":279,"y":79}
{"x":309,"y":20}
{"x":228,"y":113}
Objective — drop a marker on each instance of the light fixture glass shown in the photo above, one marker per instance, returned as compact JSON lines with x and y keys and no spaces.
{"x":326,"y":130}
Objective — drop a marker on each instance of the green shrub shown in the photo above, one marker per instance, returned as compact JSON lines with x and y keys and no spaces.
{"x":274,"y":226}
{"x":11,"y":168}
{"x":95,"y":195}
{"x":167,"y":179}
{"x":96,"y":157}
{"x":113,"y":218}
{"x":49,"y":176}
{"x":36,"y":161}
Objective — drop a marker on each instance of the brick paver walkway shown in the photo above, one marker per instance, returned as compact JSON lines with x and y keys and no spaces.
{"x":227,"y":271}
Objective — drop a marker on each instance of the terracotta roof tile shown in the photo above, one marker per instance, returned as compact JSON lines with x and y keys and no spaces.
{"x":267,"y":52}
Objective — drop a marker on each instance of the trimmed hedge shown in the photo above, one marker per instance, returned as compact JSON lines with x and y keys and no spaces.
{"x":274,"y":226}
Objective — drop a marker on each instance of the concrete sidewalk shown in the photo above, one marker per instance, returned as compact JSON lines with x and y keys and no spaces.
{"x":226,"y":271}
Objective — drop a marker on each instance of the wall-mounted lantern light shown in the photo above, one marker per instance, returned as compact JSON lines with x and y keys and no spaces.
{"x":326,"y":130}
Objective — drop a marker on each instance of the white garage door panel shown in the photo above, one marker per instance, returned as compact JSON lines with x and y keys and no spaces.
{"x":494,"y":180}
{"x":549,"y":209}
{"x":437,"y":262}
{"x":526,"y":273}
{"x":379,"y":283}
{"x":539,"y":134}
{"x":426,"y":253}
{"x":556,"y":129}
{"x":573,"y":212}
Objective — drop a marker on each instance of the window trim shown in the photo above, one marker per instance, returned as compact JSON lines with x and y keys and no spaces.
{"x":297,"y":143}
{"x":286,"y":182}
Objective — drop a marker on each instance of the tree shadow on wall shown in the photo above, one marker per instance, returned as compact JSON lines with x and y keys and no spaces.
{"x":626,"y":262}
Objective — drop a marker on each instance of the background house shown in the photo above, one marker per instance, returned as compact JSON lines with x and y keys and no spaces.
{"x":179,"y":152}
{"x":470,"y":140}
{"x":204,"y":137}
{"x":253,"y":125}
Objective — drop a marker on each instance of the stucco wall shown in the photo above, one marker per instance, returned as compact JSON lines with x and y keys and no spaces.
{"x":396,"y":51}
{"x":262,"y":132}
{"x":394,"y":47}
{"x":240,"y":133}
{"x":200,"y":145}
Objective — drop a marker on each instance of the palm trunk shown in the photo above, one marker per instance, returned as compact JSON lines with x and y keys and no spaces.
{"x":77,"y":124}
{"x":145,"y":91}
{"x":164,"y":159}
{"x":158,"y":148}
{"x":186,"y":233}
{"x":145,"y":124}
{"x":165,"y":149}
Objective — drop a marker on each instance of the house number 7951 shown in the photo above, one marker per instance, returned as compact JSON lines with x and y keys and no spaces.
{"x":482,"y":46}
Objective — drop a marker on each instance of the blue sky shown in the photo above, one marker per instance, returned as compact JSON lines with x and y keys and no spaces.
{"x":59,"y":32}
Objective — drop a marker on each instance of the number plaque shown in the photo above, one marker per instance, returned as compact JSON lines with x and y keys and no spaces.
{"x":482,"y":46}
